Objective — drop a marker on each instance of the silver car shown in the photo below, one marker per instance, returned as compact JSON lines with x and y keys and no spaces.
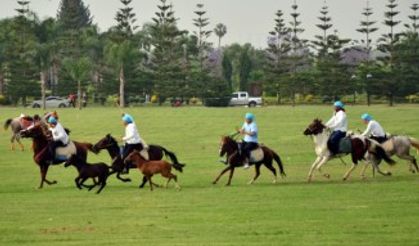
{"x":52,"y":102}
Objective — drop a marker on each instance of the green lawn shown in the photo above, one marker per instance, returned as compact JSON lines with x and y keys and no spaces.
{"x":377,"y":211}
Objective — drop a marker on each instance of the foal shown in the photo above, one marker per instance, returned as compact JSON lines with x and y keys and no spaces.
{"x":97,"y":170}
{"x":149,"y":168}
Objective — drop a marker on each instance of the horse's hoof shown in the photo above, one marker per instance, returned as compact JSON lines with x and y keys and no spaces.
{"x":228,"y":184}
{"x":54,"y":182}
{"x":389,"y":173}
{"x":327,"y":176}
{"x":344,"y":179}
{"x":250,"y":183}
{"x":274,"y":181}
{"x":214,"y":182}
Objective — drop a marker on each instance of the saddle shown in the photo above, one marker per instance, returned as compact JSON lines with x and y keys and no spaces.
{"x":256,"y":155}
{"x":354,"y":146}
{"x":65,"y":152}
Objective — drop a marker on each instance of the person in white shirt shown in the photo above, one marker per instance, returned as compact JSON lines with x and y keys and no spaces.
{"x":250,"y":140}
{"x":132,"y":137}
{"x":59,"y":136}
{"x":374,"y":129}
{"x":339,"y":126}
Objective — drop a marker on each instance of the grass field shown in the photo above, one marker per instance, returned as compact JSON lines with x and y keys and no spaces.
{"x":376,"y":211}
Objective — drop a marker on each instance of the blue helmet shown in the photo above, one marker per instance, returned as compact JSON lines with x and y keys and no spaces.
{"x":339,"y":104}
{"x":366,"y":117}
{"x":52,"y":120}
{"x":249,"y":116}
{"x":127,"y":118}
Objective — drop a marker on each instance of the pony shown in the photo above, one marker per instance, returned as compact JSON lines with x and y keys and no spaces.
{"x":17,"y":125}
{"x":155,"y":152}
{"x":39,"y":134}
{"x":362,"y":149}
{"x":87,"y":170}
{"x":150,"y":168}
{"x":400,"y":146}
{"x":230,"y":147}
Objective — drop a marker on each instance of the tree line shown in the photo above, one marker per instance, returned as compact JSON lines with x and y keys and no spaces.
{"x":67,"y":54}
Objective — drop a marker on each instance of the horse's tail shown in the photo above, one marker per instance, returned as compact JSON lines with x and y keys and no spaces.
{"x":7,"y":123}
{"x":381,"y":153}
{"x":415,"y":143}
{"x":278,"y":160}
{"x":176,"y":165}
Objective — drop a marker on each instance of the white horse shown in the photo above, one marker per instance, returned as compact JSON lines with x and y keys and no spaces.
{"x":362,"y":149}
{"x":400,"y":146}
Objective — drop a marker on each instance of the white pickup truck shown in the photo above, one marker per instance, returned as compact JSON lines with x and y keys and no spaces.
{"x":242,"y":98}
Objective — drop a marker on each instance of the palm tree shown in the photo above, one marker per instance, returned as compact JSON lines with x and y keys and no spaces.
{"x":220,"y":30}
{"x":78,"y":70}
{"x":120,"y":54}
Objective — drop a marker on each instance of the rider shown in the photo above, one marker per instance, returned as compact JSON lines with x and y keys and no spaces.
{"x":132,"y":137}
{"x":339,"y":126}
{"x":374,"y":129}
{"x":250,"y":140}
{"x":59,"y":136}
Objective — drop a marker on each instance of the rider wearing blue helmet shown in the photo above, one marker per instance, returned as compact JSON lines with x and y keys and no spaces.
{"x":250,"y":140}
{"x":339,"y":126}
{"x":59,"y":136}
{"x":132,"y":137}
{"x":374,"y":129}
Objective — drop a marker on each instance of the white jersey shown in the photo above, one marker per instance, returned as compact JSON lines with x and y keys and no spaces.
{"x":59,"y":134}
{"x":131,"y":134}
{"x":374,"y":129}
{"x":338,"y":122}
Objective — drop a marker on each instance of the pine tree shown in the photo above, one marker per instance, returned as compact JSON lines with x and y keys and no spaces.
{"x":277,"y":54}
{"x":332,"y":74}
{"x":387,"y":45}
{"x":367,"y":28}
{"x":414,"y":18}
{"x":299,"y":55}
{"x":166,"y":60}
{"x":73,"y":15}
{"x":126,"y":19}
{"x":202,"y":35}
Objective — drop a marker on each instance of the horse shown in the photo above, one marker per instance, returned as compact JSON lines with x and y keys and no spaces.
{"x":40,"y":138}
{"x":150,"y":168}
{"x":16,"y":125}
{"x":400,"y":146}
{"x":87,"y":170}
{"x":155,"y":152}
{"x":362,"y":149}
{"x":230,"y":147}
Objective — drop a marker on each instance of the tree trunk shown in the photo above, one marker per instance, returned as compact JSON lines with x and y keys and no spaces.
{"x":121,"y":87}
{"x":43,"y":75}
{"x":2,"y":84}
{"x":54,"y":83}
{"x":219,"y":42}
{"x":79,"y":94}
{"x":390,"y":99}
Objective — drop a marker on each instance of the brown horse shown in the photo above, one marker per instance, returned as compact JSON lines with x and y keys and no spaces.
{"x":40,"y":136}
{"x":150,"y":168}
{"x":231,"y":147}
{"x":155,"y":152}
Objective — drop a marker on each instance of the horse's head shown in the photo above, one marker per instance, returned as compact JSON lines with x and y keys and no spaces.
{"x":35,"y":131}
{"x":316,"y":127}
{"x":227,"y":145}
{"x":104,"y":143}
{"x":134,"y":157}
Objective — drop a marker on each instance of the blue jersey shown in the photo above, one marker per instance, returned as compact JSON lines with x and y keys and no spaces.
{"x":252,"y":127}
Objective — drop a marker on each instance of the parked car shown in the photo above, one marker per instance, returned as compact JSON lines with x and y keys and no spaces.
{"x":52,"y":102}
{"x":242,"y":98}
